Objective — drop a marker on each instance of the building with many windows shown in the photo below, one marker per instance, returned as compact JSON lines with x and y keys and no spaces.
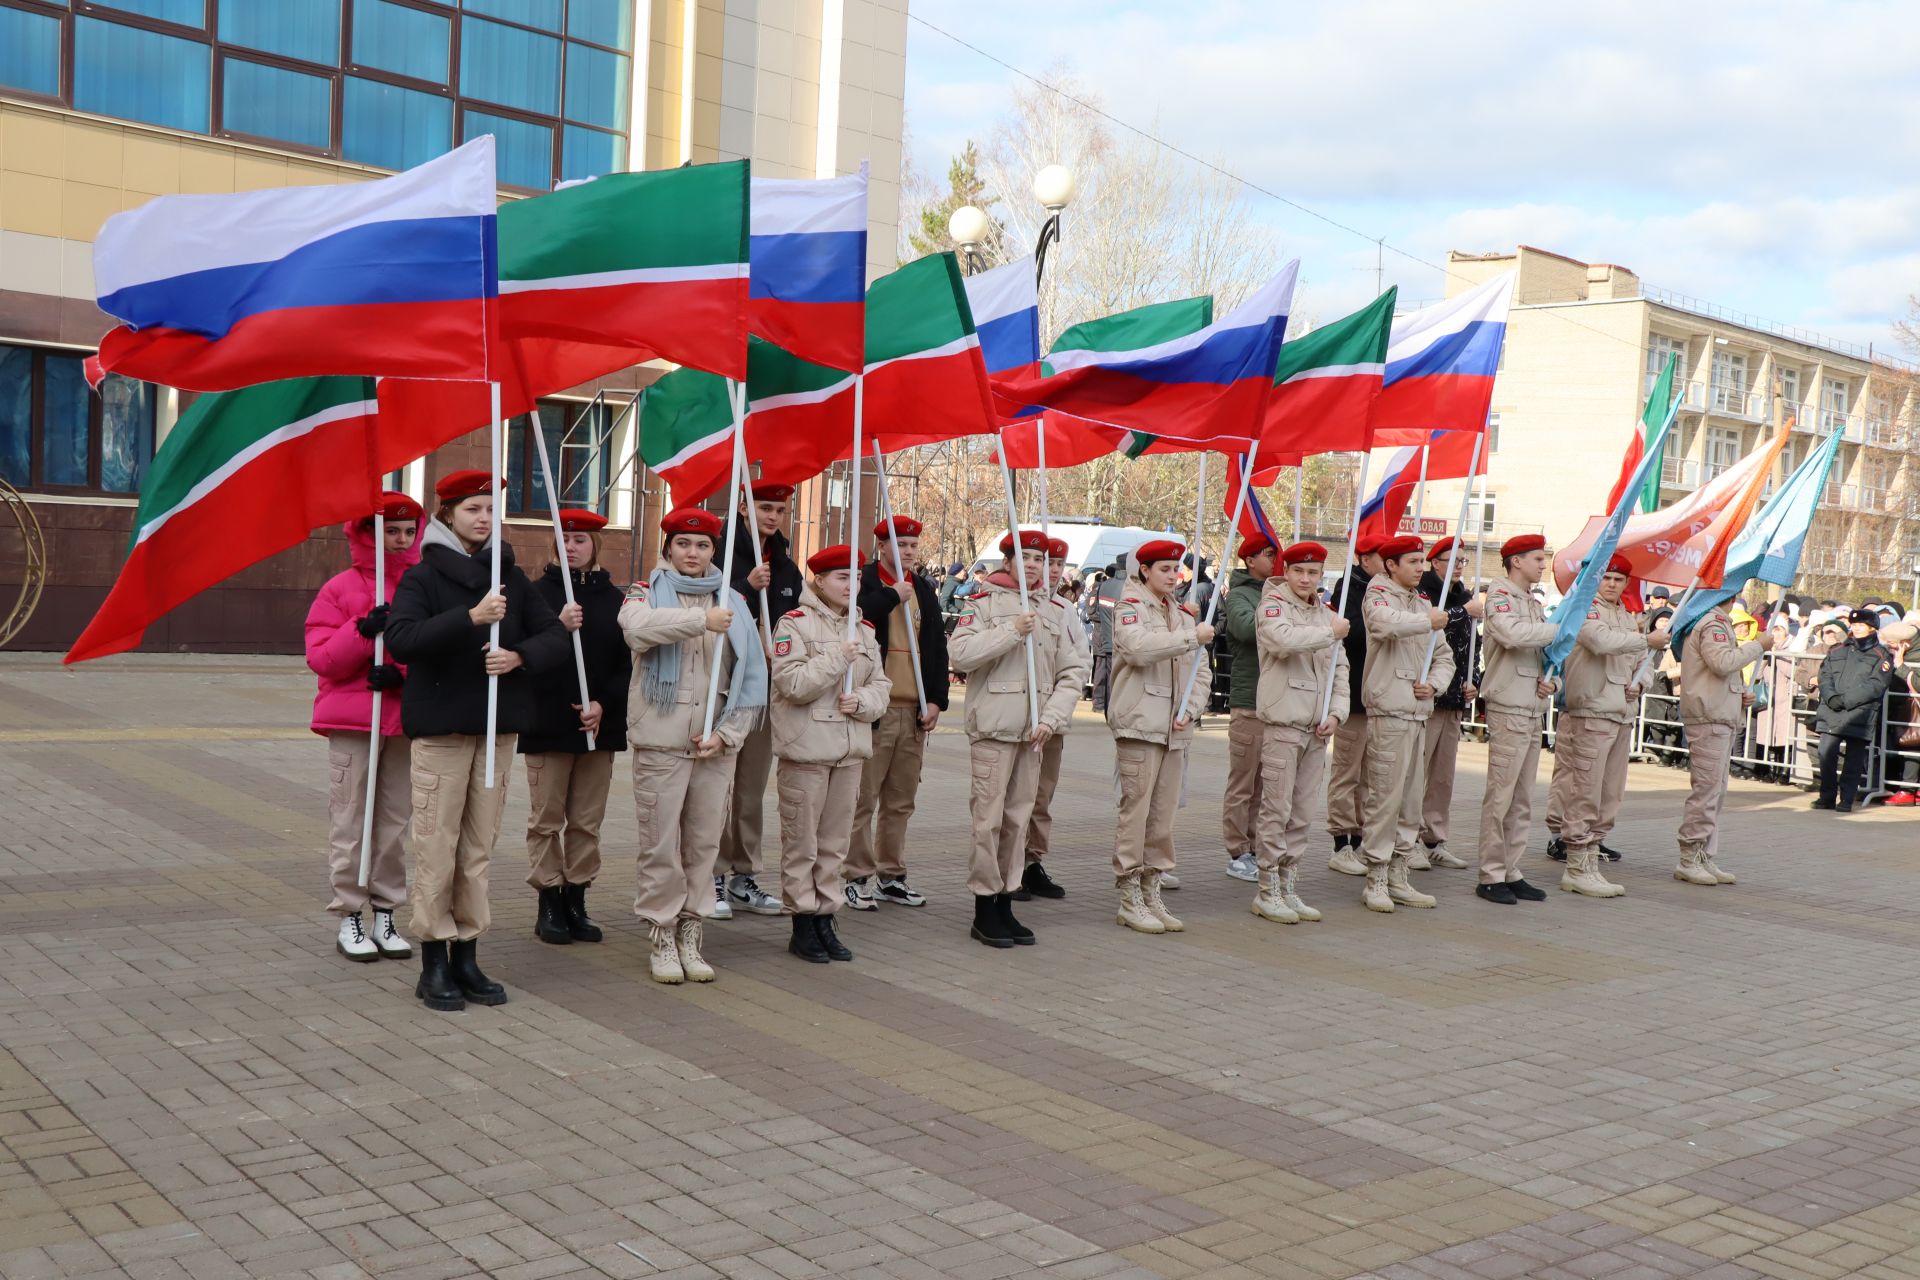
{"x":105,"y":104}
{"x":1585,"y":342}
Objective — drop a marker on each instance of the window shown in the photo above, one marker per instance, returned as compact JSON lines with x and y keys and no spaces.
{"x":407,"y":42}
{"x":523,"y":151}
{"x":1493,"y":433}
{"x":588,"y":153}
{"x":607,"y":22}
{"x":526,"y":495}
{"x":188,"y":13}
{"x":268,"y":102}
{"x":596,"y":87}
{"x":140,"y":75}
{"x":512,"y":67}
{"x":1480,"y":512}
{"x":1659,"y":348}
{"x":1729,"y":381}
{"x":392,"y":127}
{"x":30,"y":52}
{"x":1789,"y":385}
{"x":544,"y":14}
{"x":305,"y":29}
{"x":55,"y":434}
{"x":1723,"y":449}
{"x":1833,"y":404}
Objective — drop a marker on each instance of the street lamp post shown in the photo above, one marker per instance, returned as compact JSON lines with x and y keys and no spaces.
{"x":1053,"y":188}
{"x":967,"y":227}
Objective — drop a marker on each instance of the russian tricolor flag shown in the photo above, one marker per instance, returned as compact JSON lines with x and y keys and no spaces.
{"x":1440,"y":365}
{"x":807,"y":272}
{"x":1006,"y":315}
{"x":1450,"y":455}
{"x":388,"y":278}
{"x":1206,"y":387}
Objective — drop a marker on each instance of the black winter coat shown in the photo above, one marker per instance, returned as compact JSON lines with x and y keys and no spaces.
{"x":446,"y":689}
{"x":556,"y":725}
{"x":1356,"y":640}
{"x":783,"y":593}
{"x":1853,"y":678}
{"x":1459,"y":627}
{"x":877,"y":603}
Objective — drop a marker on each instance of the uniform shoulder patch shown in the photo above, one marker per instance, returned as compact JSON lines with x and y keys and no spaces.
{"x":1503,"y":607}
{"x":1272,"y":611}
{"x":795,"y":613}
{"x":868,"y":625}
{"x":782,"y":646}
{"x":1128,"y":617}
{"x":1129,"y":600}
{"x":638,"y":591}
{"x":1593,"y":615}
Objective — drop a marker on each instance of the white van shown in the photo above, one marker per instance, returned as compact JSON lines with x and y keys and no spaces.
{"x":1091,"y":545}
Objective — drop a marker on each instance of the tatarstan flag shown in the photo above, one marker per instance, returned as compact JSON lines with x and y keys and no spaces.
{"x":243,"y":475}
{"x":1651,"y":416}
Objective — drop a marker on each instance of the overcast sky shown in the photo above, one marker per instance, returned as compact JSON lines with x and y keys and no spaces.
{"x":1762,"y":156}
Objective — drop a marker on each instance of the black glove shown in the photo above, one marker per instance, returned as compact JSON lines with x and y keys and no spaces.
{"x":1834,"y":703}
{"x":375,"y":622}
{"x":386,"y":677}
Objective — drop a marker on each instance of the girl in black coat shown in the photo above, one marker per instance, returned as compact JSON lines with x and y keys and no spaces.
{"x":567,"y":783}
{"x":438,"y":627}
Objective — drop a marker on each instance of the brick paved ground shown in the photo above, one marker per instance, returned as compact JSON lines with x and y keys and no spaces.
{"x":1716,"y":1083}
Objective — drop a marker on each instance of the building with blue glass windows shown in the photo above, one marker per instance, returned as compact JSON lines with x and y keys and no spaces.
{"x":105,"y":104}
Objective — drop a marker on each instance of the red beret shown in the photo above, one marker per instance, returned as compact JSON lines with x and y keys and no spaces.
{"x":458,"y":486}
{"x":573,"y":521}
{"x":1304,"y":553}
{"x":903,"y":527}
{"x":1404,"y":545}
{"x":828,"y":559}
{"x":1367,"y":544}
{"x":1057,"y":548}
{"x":398,"y":506}
{"x":1520,"y":544}
{"x":1030,"y":540}
{"x":1255,"y":545}
{"x":690,"y":520}
{"x":1440,"y":548}
{"x":1159,"y":549}
{"x":772,"y":492}
{"x":1620,"y":565}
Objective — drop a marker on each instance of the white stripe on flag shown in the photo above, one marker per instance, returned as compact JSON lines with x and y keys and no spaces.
{"x":694,"y":448}
{"x":793,"y":399}
{"x":641,"y":275}
{"x":931,"y":353}
{"x":1270,"y":301}
{"x":1003,"y":291}
{"x":1415,"y":332}
{"x":1318,"y":371}
{"x":790,"y":206}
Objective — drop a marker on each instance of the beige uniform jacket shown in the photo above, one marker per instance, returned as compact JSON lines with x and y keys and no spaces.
{"x":1297,"y":648}
{"x":653,"y":622}
{"x":1399,"y":622}
{"x":807,"y":676}
{"x":1606,"y":656}
{"x":1710,"y":672}
{"x":993,"y":656}
{"x":1513,"y":633}
{"x":1153,"y":644}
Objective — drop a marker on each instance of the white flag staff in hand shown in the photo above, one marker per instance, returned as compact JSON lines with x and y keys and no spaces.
{"x":444,"y":611}
{"x":357,"y":707}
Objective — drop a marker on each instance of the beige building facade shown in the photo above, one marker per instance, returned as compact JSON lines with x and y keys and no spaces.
{"x":1585,"y":342}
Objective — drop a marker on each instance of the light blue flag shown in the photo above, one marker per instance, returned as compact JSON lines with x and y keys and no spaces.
{"x":1769,"y":547}
{"x":1571,"y":613}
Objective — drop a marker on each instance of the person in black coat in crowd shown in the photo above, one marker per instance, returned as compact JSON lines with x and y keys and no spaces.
{"x":734,"y":883}
{"x":1854,"y":677}
{"x":567,"y":782}
{"x":439,"y":627}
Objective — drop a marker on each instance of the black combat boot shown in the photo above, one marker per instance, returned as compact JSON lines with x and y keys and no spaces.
{"x":436,"y":987}
{"x":1557,"y":849}
{"x":987,"y":925}
{"x":805,"y":942}
{"x":580,"y":926}
{"x":1021,"y":935}
{"x":464,"y":959}
{"x":829,"y":940}
{"x":1037,"y":883}
{"x":550,"y":925}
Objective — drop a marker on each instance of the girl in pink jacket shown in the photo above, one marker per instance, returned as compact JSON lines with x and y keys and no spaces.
{"x":341,"y":626}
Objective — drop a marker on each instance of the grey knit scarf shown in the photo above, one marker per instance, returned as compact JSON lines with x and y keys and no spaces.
{"x":747,"y":692}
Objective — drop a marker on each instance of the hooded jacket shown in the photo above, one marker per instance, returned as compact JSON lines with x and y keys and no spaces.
{"x":783,"y":593}
{"x":556,"y":725}
{"x":1242,"y":609}
{"x":446,"y":689}
{"x":1356,"y":640}
{"x":338,"y":653}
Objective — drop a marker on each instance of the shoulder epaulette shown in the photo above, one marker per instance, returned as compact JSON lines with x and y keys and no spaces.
{"x":868,"y":625}
{"x":1129,"y":600}
{"x":1188,"y":610}
{"x":794,"y":613}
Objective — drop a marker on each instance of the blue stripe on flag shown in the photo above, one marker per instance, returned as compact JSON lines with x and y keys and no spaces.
{"x":1227,"y":355}
{"x":1011,"y":341}
{"x":1472,"y":352}
{"x":408,"y":260}
{"x":816,"y":266}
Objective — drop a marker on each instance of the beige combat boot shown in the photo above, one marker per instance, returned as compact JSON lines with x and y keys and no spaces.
{"x":1714,"y":870}
{"x":1401,"y":889}
{"x":1441,"y":856}
{"x":1375,"y":896}
{"x":1271,"y":903}
{"x":665,"y":959}
{"x":1583,"y":876}
{"x":692,"y":963}
{"x":1289,"y":890}
{"x":1151,"y":882}
{"x":1133,"y":911}
{"x":1693,"y":866}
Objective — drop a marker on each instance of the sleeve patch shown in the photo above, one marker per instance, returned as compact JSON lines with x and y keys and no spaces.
{"x":1503,"y":608}
{"x":1593,"y":615}
{"x":1273,"y":611}
{"x":1128,"y":617}
{"x":965,"y":620}
{"x":782,"y":646}
{"x":638,"y":591}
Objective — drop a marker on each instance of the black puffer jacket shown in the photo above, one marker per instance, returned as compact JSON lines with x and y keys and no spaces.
{"x":877,"y":602}
{"x":556,"y":725}
{"x":429,"y":630}
{"x":783,"y":593}
{"x":1853,"y":679}
{"x":1459,"y":627}
{"x":1356,"y":640}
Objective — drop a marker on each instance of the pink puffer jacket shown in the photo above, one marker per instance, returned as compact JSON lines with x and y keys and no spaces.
{"x":336,"y":650}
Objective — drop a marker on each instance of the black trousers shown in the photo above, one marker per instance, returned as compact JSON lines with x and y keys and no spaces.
{"x":1849,"y":778}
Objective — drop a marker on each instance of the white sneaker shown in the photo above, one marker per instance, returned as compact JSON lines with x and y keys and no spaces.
{"x":354,"y":943}
{"x":860,"y":896}
{"x":1168,"y":880}
{"x":1441,"y":856}
{"x":1242,"y":866}
{"x":387,"y":938}
{"x":722,"y":910}
{"x":747,"y":896}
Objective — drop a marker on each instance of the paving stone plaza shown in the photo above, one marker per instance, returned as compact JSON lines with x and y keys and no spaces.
{"x":1687,"y":1082}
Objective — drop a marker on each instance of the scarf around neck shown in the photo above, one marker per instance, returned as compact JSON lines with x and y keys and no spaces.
{"x":747,"y":691}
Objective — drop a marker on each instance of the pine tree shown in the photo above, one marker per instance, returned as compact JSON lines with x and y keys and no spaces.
{"x":927,"y":233}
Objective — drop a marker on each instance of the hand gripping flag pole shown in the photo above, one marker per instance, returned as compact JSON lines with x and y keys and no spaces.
{"x":1346,"y":579}
{"x":566,"y":570}
{"x":753,"y":531}
{"x":736,"y":484}
{"x":379,"y":656}
{"x":1433,"y":638}
{"x":900,"y":575}
{"x":1213,"y":597}
{"x":1016,"y":564}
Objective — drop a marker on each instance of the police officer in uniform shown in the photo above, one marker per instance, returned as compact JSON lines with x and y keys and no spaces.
{"x":1299,"y":651}
{"x":1398,"y":695}
{"x":1347,"y":782}
{"x":1516,"y":689}
{"x":1713,"y":705}
{"x":1034,"y":881}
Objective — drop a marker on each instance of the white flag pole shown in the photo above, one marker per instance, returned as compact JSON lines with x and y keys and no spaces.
{"x":745,"y":500}
{"x":736,"y":482}
{"x":853,"y":517}
{"x":1346,"y":579}
{"x":499,"y":518}
{"x":1199,"y":517}
{"x":1017,"y":567}
{"x":900,"y":575}
{"x":379,"y":656}
{"x":1473,"y":588}
{"x":560,"y":548}
{"x":1213,"y":597}
{"x":1040,"y":493}
{"x":1299,"y":483}
{"x":1420,"y":492}
{"x":1446,"y":578}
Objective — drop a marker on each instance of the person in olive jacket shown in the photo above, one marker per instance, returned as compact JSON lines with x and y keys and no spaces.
{"x":566,"y":781}
{"x":438,"y":627}
{"x":1854,"y":677}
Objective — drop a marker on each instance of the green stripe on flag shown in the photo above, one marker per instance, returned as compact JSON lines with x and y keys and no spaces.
{"x":917,"y":309}
{"x":1350,"y":345}
{"x":690,"y":217}
{"x":1146,"y":326}
{"x":1659,"y":400}
{"x":681,"y":414}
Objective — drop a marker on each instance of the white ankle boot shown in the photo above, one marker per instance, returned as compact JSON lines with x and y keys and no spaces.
{"x":1693,"y":866}
{"x":1289,"y":892}
{"x":1375,"y":896}
{"x":1271,"y":903}
{"x":665,"y":959}
{"x":1133,"y":911}
{"x":1151,"y":882}
{"x":353,"y":942}
{"x":387,"y":938}
{"x":692,"y":963}
{"x":1583,"y":877}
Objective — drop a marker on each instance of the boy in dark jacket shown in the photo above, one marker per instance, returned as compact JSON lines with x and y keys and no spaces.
{"x":1854,"y":677}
